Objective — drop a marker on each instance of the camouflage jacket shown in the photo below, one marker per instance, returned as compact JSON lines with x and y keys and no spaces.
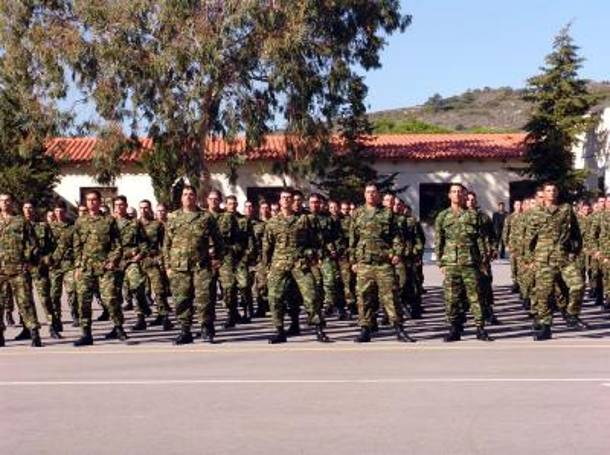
{"x":258,"y":230}
{"x":133,"y":240}
{"x":506,"y":230}
{"x":289,"y":241}
{"x":18,"y":245}
{"x":329,"y":231}
{"x":229,"y":231}
{"x":591,"y":236}
{"x":192,"y":239}
{"x":97,"y":243}
{"x":154,"y":231}
{"x":245,"y":238}
{"x":458,"y":240}
{"x":343,"y":243}
{"x":374,"y":236}
{"x":555,"y":234}
{"x":63,"y":252}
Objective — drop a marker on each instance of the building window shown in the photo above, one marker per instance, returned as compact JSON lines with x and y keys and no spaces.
{"x":432,"y":200}
{"x":268,"y":193}
{"x":107,"y":192}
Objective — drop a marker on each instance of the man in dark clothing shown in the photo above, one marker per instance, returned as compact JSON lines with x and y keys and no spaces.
{"x":498,"y":224}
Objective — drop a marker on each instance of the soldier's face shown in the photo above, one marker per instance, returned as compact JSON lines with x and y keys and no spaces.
{"x":82,"y":210}
{"x":161,"y":213}
{"x":371,"y":195}
{"x":388,"y":201}
{"x":399,"y":207}
{"x":188,"y":199}
{"x":120,"y":207}
{"x":275,"y":208}
{"x":471,"y":201}
{"x":345,"y":209}
{"x":314,"y":205}
{"x":550,"y":194}
{"x":333,"y":208}
{"x":264,"y":211}
{"x":145,"y":211}
{"x":607,"y":204}
{"x":214,"y":201}
{"x":286,"y":201}
{"x":28,"y":211}
{"x":297,"y":203}
{"x":60,"y":214}
{"x":6,"y":203}
{"x":231,"y":205}
{"x":456,"y":194}
{"x":248,"y":209}
{"x":93,"y":202}
{"x":517,"y":206}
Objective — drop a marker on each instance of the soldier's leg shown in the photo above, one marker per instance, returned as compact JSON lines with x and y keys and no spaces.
{"x":260,"y":279}
{"x":294,"y":300}
{"x":400,"y":273}
{"x":136,"y":284}
{"x":347,"y":281}
{"x":366,"y":290}
{"x":412,"y":291}
{"x":572,"y":277}
{"x":182,"y":287}
{"x":453,"y":289}
{"x":158,"y":287}
{"x":545,"y":286}
{"x":202,"y":302}
{"x":277,"y":285}
{"x":84,"y":297}
{"x":3,"y":292}
{"x":310,"y":293}
{"x":71,"y":296}
{"x":6,"y":300}
{"x":229,"y":287}
{"x":42,"y":285}
{"x":330,"y":280}
{"x":471,"y":280}
{"x":22,"y":293}
{"x":56,"y":279}
{"x":244,"y":288}
{"x":387,"y":292}
{"x":109,"y":296}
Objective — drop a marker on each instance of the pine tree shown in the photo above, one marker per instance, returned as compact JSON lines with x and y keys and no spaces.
{"x":561,"y":104}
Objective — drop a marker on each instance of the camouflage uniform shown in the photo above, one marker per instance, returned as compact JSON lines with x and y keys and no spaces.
{"x":40,"y":271}
{"x":510,"y":240}
{"x":152,"y":264}
{"x":345,"y":267}
{"x":591,"y":241}
{"x":374,"y":238}
{"x":329,"y":270}
{"x":410,"y":285}
{"x":522,"y":235}
{"x":486,"y":280}
{"x":134,"y":243}
{"x":17,"y":251}
{"x":420,"y":239}
{"x":582,"y":258}
{"x":192,"y":240}
{"x":61,"y":272}
{"x":557,"y":243}
{"x":458,"y":248}
{"x":97,"y":253}
{"x":260,"y":272}
{"x":288,"y":252}
{"x":244,"y":257}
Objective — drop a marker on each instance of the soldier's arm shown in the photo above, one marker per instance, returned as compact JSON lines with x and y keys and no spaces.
{"x":218,"y":245}
{"x":353,"y":240}
{"x":506,"y":230}
{"x":167,"y":243}
{"x":31,"y":247}
{"x":439,"y":239}
{"x":267,"y":247}
{"x":143,"y":244}
{"x":116,"y":251}
{"x":576,"y":241}
{"x":398,"y":228}
{"x":77,"y":245}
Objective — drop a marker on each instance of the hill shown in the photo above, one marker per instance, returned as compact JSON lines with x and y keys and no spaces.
{"x":479,"y":110}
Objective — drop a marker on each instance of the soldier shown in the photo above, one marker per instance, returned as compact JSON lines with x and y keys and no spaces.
{"x":260,"y":273}
{"x":40,"y":269}
{"x":345,"y":296}
{"x":17,"y":254}
{"x":459,"y":250}
{"x":233,"y":249}
{"x":557,"y":242}
{"x":583,"y":220}
{"x":288,"y":254}
{"x":62,"y":264}
{"x":488,"y":255}
{"x":509,"y":242}
{"x":135,"y":248}
{"x":521,"y":235}
{"x":161,"y":213}
{"x":602,"y":251}
{"x":152,"y":263}
{"x":375,"y":248}
{"x":274,"y":208}
{"x":192,"y":248}
{"x":97,"y":253}
{"x":420,"y":245}
{"x":592,"y":239}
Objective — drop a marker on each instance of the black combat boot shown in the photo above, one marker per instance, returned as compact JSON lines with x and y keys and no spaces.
{"x":401,"y":335}
{"x":321,"y":336}
{"x":1,"y":338}
{"x":294,"y":329}
{"x":59,"y":326}
{"x":112,"y":335}
{"x":527,"y":304}
{"x":140,"y":323}
{"x":184,"y":337}
{"x":10,"y":322}
{"x":36,"y":341}
{"x":343,"y":315}
{"x":208,"y":333}
{"x":120,"y":333}
{"x":574,"y":322}
{"x":105,"y":316}
{"x":157,"y":321}
{"x":592,"y":293}
{"x":416,"y":312}
{"x":454,"y":334}
{"x":261,"y":310}
{"x":514,"y":288}
{"x":86,"y":339}
{"x":53,"y":332}
{"x":279,"y":337}
{"x":543,"y":333}
{"x":74,"y":314}
{"x":24,"y":334}
{"x":167,"y":324}
{"x":483,"y":335}
{"x":364,"y":336}
{"x":231,"y":320}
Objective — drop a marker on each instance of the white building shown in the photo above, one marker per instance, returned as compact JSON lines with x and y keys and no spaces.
{"x":425,"y":164}
{"x":593,"y":153}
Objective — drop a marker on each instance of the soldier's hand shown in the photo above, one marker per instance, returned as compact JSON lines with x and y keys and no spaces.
{"x":109,"y":266}
{"x":77,"y":274}
{"x":215,"y":264}
{"x":168,"y":272}
{"x":355,"y":268}
{"x":395,"y":260}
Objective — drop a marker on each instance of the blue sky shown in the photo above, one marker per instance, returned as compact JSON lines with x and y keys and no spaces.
{"x":454,"y":45}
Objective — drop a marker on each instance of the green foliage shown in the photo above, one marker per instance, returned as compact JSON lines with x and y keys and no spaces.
{"x":407,"y":126}
{"x":163,"y":166}
{"x":561,"y":102}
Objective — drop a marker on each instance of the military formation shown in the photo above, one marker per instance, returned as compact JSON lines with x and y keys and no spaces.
{"x":275,"y":259}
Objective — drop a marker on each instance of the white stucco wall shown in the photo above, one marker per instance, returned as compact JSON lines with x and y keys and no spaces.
{"x":593,"y":152}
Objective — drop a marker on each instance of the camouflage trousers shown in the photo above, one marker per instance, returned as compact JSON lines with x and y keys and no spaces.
{"x":547,"y":278}
{"x":42,"y":286}
{"x":18,"y":287}
{"x":157,"y":281}
{"x":244,"y":282}
{"x":62,"y":280}
{"x":526,"y":277}
{"x":377,"y":283}
{"x":225,"y":276}
{"x":409,"y":296}
{"x":330,"y":280}
{"x":514,"y":274}
{"x":347,"y":296}
{"x":87,"y":284}
{"x":486,"y":291}
{"x":260,"y":286}
{"x":134,"y":280}
{"x":191,"y":293}
{"x":462,"y":281}
{"x":279,"y":282}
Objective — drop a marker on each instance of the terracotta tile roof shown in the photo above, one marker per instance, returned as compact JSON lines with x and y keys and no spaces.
{"x":412,"y":147}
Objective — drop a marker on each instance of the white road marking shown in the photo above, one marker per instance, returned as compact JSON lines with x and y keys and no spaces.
{"x":154,"y":382}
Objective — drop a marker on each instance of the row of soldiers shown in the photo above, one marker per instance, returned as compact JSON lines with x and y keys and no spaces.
{"x":554,"y":248}
{"x":329,"y":258}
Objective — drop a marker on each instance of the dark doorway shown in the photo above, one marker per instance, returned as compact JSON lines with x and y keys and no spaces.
{"x":520,"y":190}
{"x":432,"y":199}
{"x":268,"y":193}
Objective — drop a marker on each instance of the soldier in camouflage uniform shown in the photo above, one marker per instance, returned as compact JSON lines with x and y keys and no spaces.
{"x":193,"y":248}
{"x":458,"y":246}
{"x":345,"y":296}
{"x":601,"y":247}
{"x":488,"y":255}
{"x":375,"y":247}
{"x":521,"y":235}
{"x":18,"y":249}
{"x":61,"y":273}
{"x":348,"y":278}
{"x":583,"y":225}
{"x":260,"y":273}
{"x":242,"y":258}
{"x":97,"y":254}
{"x":288,"y":254}
{"x":591,"y":239}
{"x":40,"y":270}
{"x":556,"y":245}
{"x":507,"y":238}
{"x":152,"y":263}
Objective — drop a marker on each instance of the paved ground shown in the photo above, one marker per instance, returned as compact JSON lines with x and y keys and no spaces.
{"x":243,"y":395}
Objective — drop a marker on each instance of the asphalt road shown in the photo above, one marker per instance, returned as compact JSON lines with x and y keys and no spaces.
{"x":245,"y":396}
